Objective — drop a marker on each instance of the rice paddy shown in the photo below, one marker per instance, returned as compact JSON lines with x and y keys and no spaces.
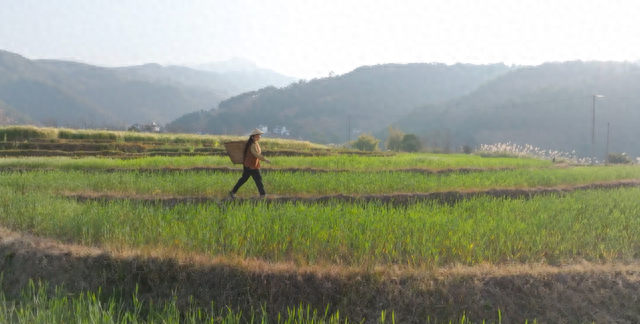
{"x":282,"y":183}
{"x":336,"y":162}
{"x":590,"y":225}
{"x":595,"y":225}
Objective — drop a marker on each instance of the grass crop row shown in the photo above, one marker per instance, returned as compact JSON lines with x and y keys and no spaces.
{"x":218,"y":184}
{"x":595,"y":225}
{"x":345,"y":162}
{"x":37,"y":306}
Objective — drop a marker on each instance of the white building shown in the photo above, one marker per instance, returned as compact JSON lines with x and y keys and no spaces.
{"x":281,"y":130}
{"x":153,"y":128}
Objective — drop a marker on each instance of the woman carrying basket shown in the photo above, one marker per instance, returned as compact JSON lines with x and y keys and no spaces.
{"x":251,"y":164}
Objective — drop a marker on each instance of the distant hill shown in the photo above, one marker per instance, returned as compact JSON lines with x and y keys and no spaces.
{"x":40,"y":92}
{"x":226,"y":82}
{"x":74,"y":94}
{"x":10,"y":116}
{"x":548,"y":106}
{"x":81,"y":95}
{"x":236,"y":64}
{"x":180,"y":76}
{"x":319,"y":110}
{"x":243,"y":75}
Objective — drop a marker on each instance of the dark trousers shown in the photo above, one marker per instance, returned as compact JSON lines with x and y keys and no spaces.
{"x":255,"y":174}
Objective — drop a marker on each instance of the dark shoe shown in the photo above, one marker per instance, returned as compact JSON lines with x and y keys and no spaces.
{"x":232,"y":194}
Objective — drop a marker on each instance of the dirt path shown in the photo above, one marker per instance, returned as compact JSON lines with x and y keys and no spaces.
{"x":576,"y":293}
{"x":449,"y":197}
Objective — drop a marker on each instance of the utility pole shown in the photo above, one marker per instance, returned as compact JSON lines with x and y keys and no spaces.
{"x":593,"y":128}
{"x":349,"y":133}
{"x":607,"y":158}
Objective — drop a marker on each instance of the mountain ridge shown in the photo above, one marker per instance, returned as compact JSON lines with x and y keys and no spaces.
{"x":320,"y":109}
{"x":70,"y":93}
{"x":548,"y":106}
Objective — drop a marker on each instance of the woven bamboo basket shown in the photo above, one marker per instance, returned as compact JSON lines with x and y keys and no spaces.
{"x":235,"y":151}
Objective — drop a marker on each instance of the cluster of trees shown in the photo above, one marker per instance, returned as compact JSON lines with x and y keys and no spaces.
{"x":399,"y":141}
{"x":396,"y":141}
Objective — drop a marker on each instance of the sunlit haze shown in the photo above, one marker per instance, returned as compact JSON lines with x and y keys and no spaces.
{"x":309,"y":39}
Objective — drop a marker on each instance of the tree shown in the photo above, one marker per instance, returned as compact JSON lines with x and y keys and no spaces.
{"x":50,"y":122}
{"x":411,"y":143}
{"x":366,"y":142}
{"x":87,"y":122}
{"x":616,"y":158}
{"x":394,"y":141}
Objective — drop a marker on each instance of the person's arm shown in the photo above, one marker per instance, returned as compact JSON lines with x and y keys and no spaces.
{"x":254,"y":151}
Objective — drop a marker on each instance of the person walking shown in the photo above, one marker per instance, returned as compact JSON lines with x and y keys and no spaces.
{"x":251,"y":164}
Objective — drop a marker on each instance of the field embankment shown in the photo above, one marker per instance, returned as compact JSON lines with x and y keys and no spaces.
{"x":27,"y":141}
{"x":395,"y":200}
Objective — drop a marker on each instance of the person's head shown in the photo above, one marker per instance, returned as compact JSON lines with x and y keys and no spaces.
{"x":256,"y":134}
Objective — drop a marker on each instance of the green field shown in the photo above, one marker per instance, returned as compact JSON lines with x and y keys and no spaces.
{"x":281,"y":183}
{"x":591,"y":225}
{"x":594,"y":226}
{"x":37,"y":306}
{"x":336,"y":162}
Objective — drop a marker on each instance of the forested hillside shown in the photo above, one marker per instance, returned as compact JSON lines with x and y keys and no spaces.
{"x":549,"y":106}
{"x":61,"y":93}
{"x":319,"y":110}
{"x":10,"y":116}
{"x":226,"y":83}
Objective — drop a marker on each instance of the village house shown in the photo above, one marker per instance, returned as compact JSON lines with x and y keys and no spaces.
{"x":151,"y":128}
{"x":277,"y":131}
{"x":281,"y":130}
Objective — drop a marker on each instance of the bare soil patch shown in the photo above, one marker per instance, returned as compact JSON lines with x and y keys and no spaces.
{"x":601,"y":293}
{"x":447,"y":197}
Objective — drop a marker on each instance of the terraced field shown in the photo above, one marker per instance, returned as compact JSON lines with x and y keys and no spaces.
{"x":413,"y":238}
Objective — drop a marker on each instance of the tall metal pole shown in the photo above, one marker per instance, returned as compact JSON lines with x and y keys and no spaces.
{"x":593,"y":130}
{"x":607,"y":158}
{"x":349,"y":130}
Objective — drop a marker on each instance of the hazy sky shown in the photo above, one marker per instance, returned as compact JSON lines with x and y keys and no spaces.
{"x":309,"y":39}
